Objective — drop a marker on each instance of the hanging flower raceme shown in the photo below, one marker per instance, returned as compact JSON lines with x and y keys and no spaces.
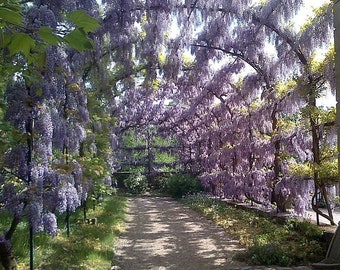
{"x":68,"y":198}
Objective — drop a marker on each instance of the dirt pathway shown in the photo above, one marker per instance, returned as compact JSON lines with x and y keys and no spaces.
{"x":163,"y":234}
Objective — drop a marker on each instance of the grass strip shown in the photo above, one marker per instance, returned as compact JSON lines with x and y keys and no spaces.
{"x":269,"y":243}
{"x":89,"y":247}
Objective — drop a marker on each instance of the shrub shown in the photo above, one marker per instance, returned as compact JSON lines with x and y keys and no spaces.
{"x":269,"y":254}
{"x":157,"y":181}
{"x":179,"y":185}
{"x":294,"y":243}
{"x":136,"y":183}
{"x":305,"y":229}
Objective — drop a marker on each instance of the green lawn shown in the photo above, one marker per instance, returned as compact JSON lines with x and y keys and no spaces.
{"x":90,"y":246}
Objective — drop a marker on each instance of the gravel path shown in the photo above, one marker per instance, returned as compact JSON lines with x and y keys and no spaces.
{"x":163,"y":234}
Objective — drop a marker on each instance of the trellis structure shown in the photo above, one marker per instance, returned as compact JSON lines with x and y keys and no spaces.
{"x":145,"y":153}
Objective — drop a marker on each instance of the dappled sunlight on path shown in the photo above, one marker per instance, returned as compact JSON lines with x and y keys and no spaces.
{"x":163,"y":234}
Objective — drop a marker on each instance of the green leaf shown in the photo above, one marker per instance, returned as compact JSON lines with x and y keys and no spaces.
{"x":21,"y":42}
{"x":39,"y":92}
{"x":83,"y":21}
{"x":5,"y":39}
{"x":78,"y":40}
{"x":48,"y":36}
{"x":9,"y":16}
{"x":38,"y":59}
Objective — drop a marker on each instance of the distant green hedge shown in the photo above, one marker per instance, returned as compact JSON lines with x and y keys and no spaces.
{"x":179,"y":185}
{"x":136,"y":183}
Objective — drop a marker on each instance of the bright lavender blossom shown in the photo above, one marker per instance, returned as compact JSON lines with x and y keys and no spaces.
{"x":50,"y":223}
{"x":34,"y":213}
{"x":68,"y":198}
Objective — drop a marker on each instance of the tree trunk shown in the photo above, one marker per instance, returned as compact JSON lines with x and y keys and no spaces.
{"x":316,"y":203}
{"x":6,"y":256}
{"x":277,"y":199}
{"x":317,"y":181}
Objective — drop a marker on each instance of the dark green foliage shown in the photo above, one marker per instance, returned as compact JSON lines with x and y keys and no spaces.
{"x":158,"y":182}
{"x":293,"y":243}
{"x":304,"y":228}
{"x":288,"y":248}
{"x":179,"y":185}
{"x":269,"y":254}
{"x":136,"y":183}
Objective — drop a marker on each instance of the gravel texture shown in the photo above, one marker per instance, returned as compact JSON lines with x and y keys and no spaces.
{"x":163,"y":234}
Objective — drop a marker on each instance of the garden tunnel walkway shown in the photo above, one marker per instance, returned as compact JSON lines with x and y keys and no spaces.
{"x":162,"y":234}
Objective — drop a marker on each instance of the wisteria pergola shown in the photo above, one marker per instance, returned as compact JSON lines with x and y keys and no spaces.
{"x":235,"y":82}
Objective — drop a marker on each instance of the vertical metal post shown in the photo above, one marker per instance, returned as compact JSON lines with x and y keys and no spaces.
{"x":68,"y":222}
{"x":30,"y":130}
{"x":31,"y":248}
{"x":317,"y":203}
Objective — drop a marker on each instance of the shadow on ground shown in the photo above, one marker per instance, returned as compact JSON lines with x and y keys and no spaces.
{"x":163,"y":234}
